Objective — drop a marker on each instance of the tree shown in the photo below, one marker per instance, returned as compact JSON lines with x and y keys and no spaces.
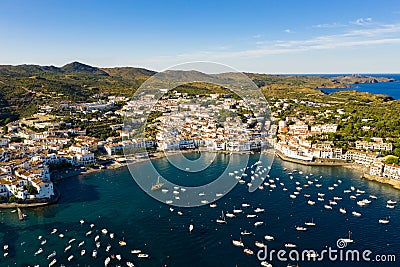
{"x":31,"y":189}
{"x":5,"y":129}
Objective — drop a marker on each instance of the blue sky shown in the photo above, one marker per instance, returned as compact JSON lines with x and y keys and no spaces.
{"x":259,"y":36}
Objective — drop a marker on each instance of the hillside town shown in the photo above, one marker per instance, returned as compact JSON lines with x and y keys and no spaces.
{"x":92,"y":135}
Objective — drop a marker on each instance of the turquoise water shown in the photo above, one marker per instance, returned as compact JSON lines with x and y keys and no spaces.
{"x":112,"y":200}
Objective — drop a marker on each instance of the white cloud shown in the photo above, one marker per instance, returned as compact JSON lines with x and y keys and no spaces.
{"x":287,"y":31}
{"x":329,"y":25}
{"x":362,"y":21}
{"x":257,"y":36}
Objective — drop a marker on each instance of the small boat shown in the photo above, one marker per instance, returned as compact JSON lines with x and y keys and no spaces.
{"x":81,"y":244}
{"x":238,"y":243}
{"x":5,"y":255}
{"x":390,"y":206}
{"x":88,"y":233}
{"x":52,"y":262}
{"x":292,"y":196}
{"x":40,"y":237}
{"x":202,"y":194}
{"x":204,"y":201}
{"x":353,"y":197}
{"x":312,"y":223}
{"x":43,"y":242}
{"x":219,"y":194}
{"x":54,"y":231}
{"x":327,"y":207}
{"x":259,"y":244}
{"x":391,"y":201}
{"x":96,"y":238}
{"x":348,"y":239}
{"x":251,"y":215}
{"x":52,"y":255}
{"x":108,"y":248}
{"x":180,"y":213}
{"x":310,"y":202}
{"x":268,"y":237}
{"x":248,"y":251}
{"x":213,"y":205}
{"x":67,"y":248}
{"x":158,"y":185}
{"x":256,"y":224}
{"x":82,"y":221}
{"x":356,"y":214}
{"x":98,"y":244}
{"x":191,"y":228}
{"x":265,"y":264}
{"x":332,"y":202}
{"x":245,"y":205}
{"x":168,"y":201}
{"x":61,"y":235}
{"x":40,"y":250}
{"x":373,"y":196}
{"x":290,"y":245}
{"x":94,"y":253}
{"x":136,"y":251}
{"x":346,"y":191}
{"x":71,"y":241}
{"x":221,"y":220}
{"x":118,"y":256}
{"x":112,"y":235}
{"x":321,"y":199}
{"x":321,"y":194}
{"x":337,"y":198}
{"x":142,"y":255}
{"x":258,"y":210}
{"x":122,"y":243}
{"x":331,"y":188}
{"x":383,"y":221}
{"x":91,"y":225}
{"x":342,"y":210}
{"x":104,"y":231}
{"x":245,"y":232}
{"x":107,"y":261}
{"x":301,"y":228}
{"x":70,"y":257}
{"x":130,"y":264}
{"x":83,"y":252}
{"x":164,"y":190}
{"x":352,"y":188}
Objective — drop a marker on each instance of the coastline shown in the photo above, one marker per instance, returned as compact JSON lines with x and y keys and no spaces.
{"x":394,"y":183}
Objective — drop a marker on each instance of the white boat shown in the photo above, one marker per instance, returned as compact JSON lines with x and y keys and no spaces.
{"x":230,"y":215}
{"x":332,"y":202}
{"x":353,"y":197}
{"x":352,"y":188}
{"x":82,"y":221}
{"x":259,"y":210}
{"x":98,"y":244}
{"x":259,"y":244}
{"x":383,"y":221}
{"x":373,"y":196}
{"x":221,"y":220}
{"x":327,"y":207}
{"x":292,"y":196}
{"x":107,"y":261}
{"x":312,"y":223}
{"x":301,"y":228}
{"x":191,"y":227}
{"x":213,"y":205}
{"x":321,"y":199}
{"x":248,"y":251}
{"x":356,"y":214}
{"x":168,"y":201}
{"x":94,"y":253}
{"x":348,"y":239}
{"x":136,"y":251}
{"x":71,"y":240}
{"x":61,"y":235}
{"x":237,"y":211}
{"x":108,"y":248}
{"x":310,"y":202}
{"x":88,"y":233}
{"x":337,"y":198}
{"x":390,"y":206}
{"x":290,"y":245}
{"x":118,"y":256}
{"x":202,"y":194}
{"x":70,"y":257}
{"x":104,"y":231}
{"x":52,"y":262}
{"x":180,"y":213}
{"x":112,"y":235}
{"x":251,"y":215}
{"x":318,"y":185}
{"x":142,"y":255}
{"x":238,"y":243}
{"x":130,"y":264}
{"x":307,"y":195}
{"x":256,"y":224}
{"x":331,"y":188}
{"x":96,"y":238}
{"x":360,"y":191}
{"x":67,"y":248}
{"x":346,"y":191}
{"x":40,"y":250}
{"x":268,"y":237}
{"x":83,"y":252}
{"x":5,"y":255}
{"x":265,"y":264}
{"x":52,"y":255}
{"x":342,"y":210}
{"x":245,"y":205}
{"x":391,"y":201}
{"x":158,"y":185}
{"x":321,"y":194}
{"x":204,"y":201}
{"x":164,"y":190}
{"x":54,"y":231}
{"x":43,"y":242}
{"x":245,"y":232}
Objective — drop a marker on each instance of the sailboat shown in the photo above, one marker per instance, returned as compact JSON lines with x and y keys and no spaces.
{"x":384,"y":221}
{"x":191,"y":228}
{"x":238,"y":243}
{"x":221,"y":220}
{"x":347,"y":240}
{"x":158,"y":185}
{"x":312,"y":223}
